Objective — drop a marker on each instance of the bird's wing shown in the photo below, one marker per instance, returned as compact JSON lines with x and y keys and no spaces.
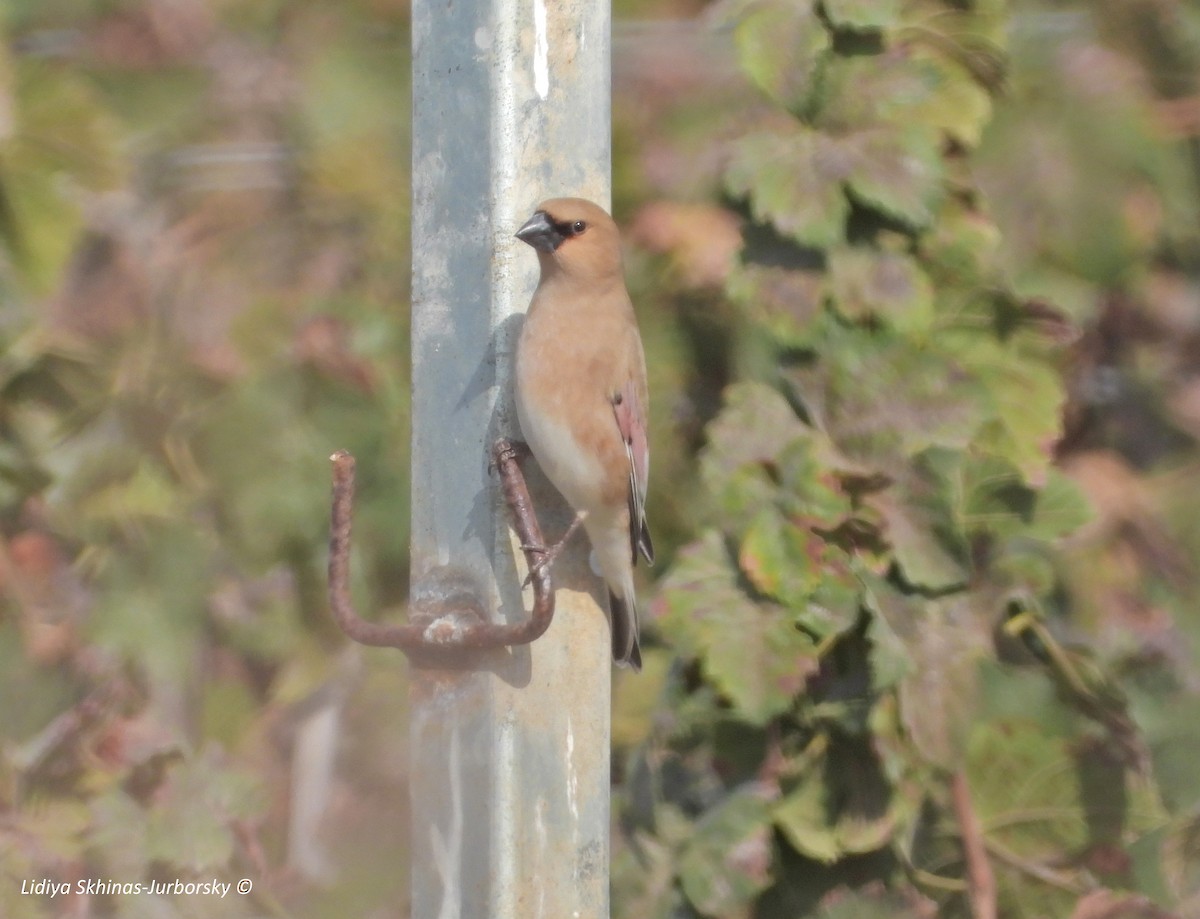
{"x":630,"y":413}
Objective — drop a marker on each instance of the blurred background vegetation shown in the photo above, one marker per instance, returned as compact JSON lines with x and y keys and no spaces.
{"x":920,"y":287}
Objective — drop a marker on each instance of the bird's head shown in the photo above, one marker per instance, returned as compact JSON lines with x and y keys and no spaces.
{"x":574,"y":236}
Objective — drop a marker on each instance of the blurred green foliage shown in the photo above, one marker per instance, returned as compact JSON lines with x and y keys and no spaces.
{"x":204,"y":230}
{"x":912,"y":496}
{"x":919,"y":283}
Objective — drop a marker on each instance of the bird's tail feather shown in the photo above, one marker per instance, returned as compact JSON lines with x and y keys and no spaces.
{"x":624,"y":616}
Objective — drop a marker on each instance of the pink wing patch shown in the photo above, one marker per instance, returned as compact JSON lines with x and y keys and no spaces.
{"x":631,"y":421}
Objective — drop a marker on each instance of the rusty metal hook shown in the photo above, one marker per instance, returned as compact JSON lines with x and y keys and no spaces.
{"x":450,"y":619}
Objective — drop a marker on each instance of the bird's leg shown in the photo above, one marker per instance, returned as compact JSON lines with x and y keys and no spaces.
{"x":549,"y":555}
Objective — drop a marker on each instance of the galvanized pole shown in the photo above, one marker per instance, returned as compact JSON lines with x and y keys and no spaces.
{"x":509,"y":762}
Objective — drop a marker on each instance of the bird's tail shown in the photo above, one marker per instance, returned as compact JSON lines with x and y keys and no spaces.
{"x":624,"y":616}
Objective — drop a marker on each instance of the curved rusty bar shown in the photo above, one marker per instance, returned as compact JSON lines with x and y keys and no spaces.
{"x":456,"y":620}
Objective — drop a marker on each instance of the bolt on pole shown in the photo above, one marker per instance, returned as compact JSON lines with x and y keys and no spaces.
{"x":509,"y":758}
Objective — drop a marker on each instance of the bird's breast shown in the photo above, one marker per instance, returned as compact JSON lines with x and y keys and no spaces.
{"x":562,"y":395}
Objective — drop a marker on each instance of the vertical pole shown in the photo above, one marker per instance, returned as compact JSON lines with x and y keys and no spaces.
{"x":509,"y":762}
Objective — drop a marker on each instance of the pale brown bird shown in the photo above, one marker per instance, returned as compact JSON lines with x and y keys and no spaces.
{"x":581,"y":395}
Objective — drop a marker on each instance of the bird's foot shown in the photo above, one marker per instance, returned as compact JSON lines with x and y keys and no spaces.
{"x":547,"y":556}
{"x":517,"y":449}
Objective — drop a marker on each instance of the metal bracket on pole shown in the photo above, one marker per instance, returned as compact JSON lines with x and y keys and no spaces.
{"x":451,"y":619}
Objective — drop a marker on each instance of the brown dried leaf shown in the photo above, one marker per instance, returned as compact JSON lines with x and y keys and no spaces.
{"x":701,"y":239}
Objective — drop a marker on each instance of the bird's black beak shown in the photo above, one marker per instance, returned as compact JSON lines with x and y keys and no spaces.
{"x":541,"y":233}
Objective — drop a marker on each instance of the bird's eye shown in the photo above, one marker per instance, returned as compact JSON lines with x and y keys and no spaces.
{"x":578,"y":227}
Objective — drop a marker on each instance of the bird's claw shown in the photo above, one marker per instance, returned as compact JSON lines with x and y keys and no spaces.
{"x":546,"y":560}
{"x":549,"y":555}
{"x":504,"y":448}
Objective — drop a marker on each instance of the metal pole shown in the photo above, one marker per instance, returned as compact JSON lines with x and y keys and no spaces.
{"x":509,"y":762}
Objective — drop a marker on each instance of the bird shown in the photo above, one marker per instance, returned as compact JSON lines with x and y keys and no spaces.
{"x":581,"y":397}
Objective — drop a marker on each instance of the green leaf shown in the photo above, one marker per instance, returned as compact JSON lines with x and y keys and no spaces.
{"x":835,"y":604}
{"x":1024,"y":569}
{"x":788,"y":562}
{"x":995,"y":497}
{"x":1024,"y":395}
{"x":752,"y":652}
{"x":1147,"y":864}
{"x":961,"y":250}
{"x":954,"y":101}
{"x":939,"y":695}
{"x":747,"y":442}
{"x":1026,"y":791}
{"x":1010,"y":693}
{"x":755,"y":426}
{"x":811,"y":495}
{"x":867,"y":284}
{"x":1166,"y":861}
{"x":913,"y":86}
{"x":1061,"y":508}
{"x":862,"y":15}
{"x":31,"y":696}
{"x":920,"y":523}
{"x":793,"y":180}
{"x":897,"y":172}
{"x":803,"y":815}
{"x":783,"y":301}
{"x":780,"y":45}
{"x":1025,"y":788}
{"x":841,"y":805}
{"x":938,"y":698}
{"x":997,"y":501}
{"x":890,"y":660}
{"x":881,"y":399}
{"x":54,"y":828}
{"x":66,"y":140}
{"x":730,"y":858}
{"x":191,"y":825}
{"x":168,"y":575}
{"x":146,"y":495}
{"x":781,"y":545}
{"x":273,"y":493}
{"x":780,"y":559}
{"x":118,"y":833}
{"x":1174,"y":741}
